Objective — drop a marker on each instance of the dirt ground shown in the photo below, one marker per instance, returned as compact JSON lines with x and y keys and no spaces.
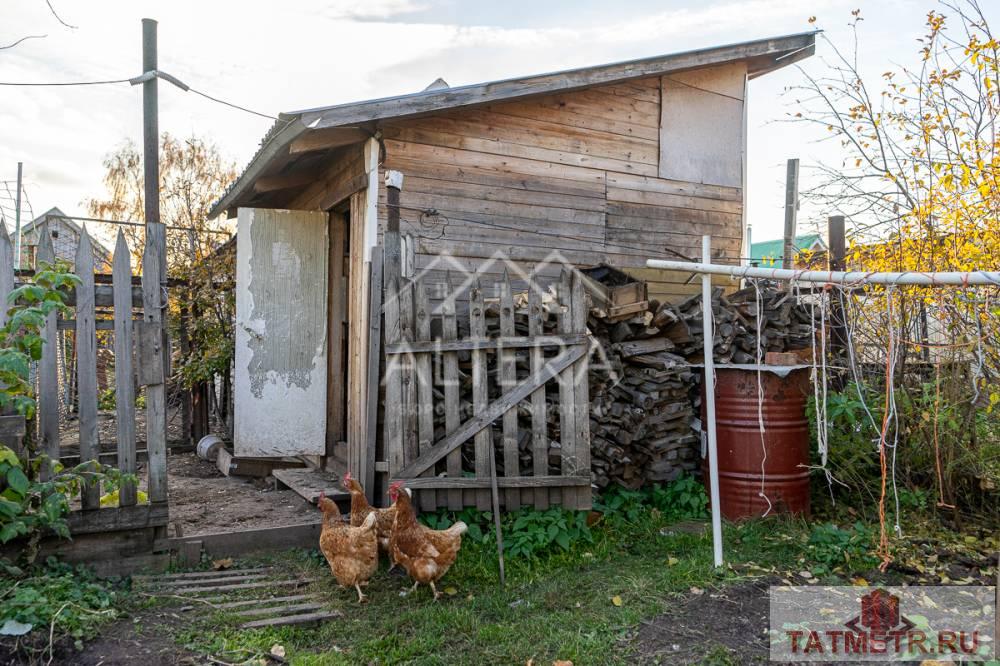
{"x":735,"y":616}
{"x":202,"y":500}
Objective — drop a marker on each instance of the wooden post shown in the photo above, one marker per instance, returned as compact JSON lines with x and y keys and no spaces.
{"x":838,"y":253}
{"x":48,"y":371}
{"x":393,"y":428}
{"x":86,"y":364}
{"x":392,"y":265}
{"x":124,"y":387}
{"x":154,"y":268}
{"x":366,"y":449}
{"x":791,"y":212}
{"x":708,"y":334}
{"x":13,"y":441}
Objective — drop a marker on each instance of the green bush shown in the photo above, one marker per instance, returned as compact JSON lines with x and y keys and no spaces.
{"x":831,"y":547}
{"x":67,"y":601}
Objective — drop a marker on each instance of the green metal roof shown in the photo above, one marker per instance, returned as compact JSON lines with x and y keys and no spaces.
{"x":773,"y":250}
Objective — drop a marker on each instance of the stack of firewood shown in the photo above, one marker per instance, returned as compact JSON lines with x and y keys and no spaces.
{"x":785,"y":324}
{"x":640,"y":410}
{"x":645,"y":395}
{"x":644,"y":391}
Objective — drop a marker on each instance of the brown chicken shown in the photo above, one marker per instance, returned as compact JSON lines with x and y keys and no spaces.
{"x":361,"y":509}
{"x":426,"y":554}
{"x":352,"y":552}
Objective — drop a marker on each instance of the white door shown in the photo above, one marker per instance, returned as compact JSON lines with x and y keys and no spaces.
{"x":280,"y":383}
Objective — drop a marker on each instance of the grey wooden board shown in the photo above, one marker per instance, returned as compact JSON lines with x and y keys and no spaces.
{"x":48,"y":374}
{"x":244,"y":586}
{"x":292,"y":619}
{"x":153,"y":299}
{"x":539,"y":422}
{"x":6,"y":272}
{"x":86,"y":365}
{"x":258,"y":602}
{"x":206,"y":582}
{"x":507,"y":378}
{"x":309,"y":483}
{"x":289,"y":608}
{"x":194,"y":575}
{"x":449,"y":365}
{"x":480,"y":395}
{"x":425,"y":394}
{"x":124,"y":387}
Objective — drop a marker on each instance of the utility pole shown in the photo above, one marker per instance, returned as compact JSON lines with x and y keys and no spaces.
{"x":154,"y":275}
{"x":837,"y":242}
{"x":17,"y":219}
{"x":791,"y":212}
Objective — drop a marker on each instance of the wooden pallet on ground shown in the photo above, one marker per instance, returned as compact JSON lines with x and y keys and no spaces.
{"x":310,"y":483}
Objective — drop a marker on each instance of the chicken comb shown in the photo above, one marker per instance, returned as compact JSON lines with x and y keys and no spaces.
{"x":347,"y":477}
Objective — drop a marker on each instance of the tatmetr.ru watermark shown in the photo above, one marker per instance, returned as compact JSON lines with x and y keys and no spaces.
{"x":883,"y":623}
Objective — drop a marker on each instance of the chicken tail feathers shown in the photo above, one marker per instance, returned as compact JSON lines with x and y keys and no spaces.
{"x":458,"y":528}
{"x":369,"y":521}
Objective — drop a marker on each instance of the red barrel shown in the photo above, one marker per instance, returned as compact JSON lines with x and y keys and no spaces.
{"x":786,"y":440}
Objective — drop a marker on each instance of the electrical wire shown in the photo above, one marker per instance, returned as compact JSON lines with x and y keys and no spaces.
{"x":760,"y":398}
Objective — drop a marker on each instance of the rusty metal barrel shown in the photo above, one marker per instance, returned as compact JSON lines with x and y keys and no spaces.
{"x":741,"y":451}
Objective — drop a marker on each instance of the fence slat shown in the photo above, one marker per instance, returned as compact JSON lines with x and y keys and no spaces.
{"x":508,"y":379}
{"x":124,"y":386}
{"x":393,"y":429}
{"x":539,"y":424}
{"x":15,"y":442}
{"x":425,"y":392}
{"x":581,"y":399}
{"x":153,"y":300}
{"x":48,"y":371}
{"x":480,"y":393}
{"x":86,"y":365}
{"x":452,"y":413}
{"x":410,"y":406}
{"x":567,"y":394}
{"x":6,"y":272}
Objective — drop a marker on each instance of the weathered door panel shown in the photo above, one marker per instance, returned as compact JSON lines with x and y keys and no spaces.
{"x":281,"y":348}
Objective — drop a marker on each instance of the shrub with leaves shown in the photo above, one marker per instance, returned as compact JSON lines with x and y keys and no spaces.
{"x":20,"y":338}
{"x":67,"y":601}
{"x":34,"y":495}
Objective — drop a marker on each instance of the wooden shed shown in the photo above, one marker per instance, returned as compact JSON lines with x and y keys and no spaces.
{"x":603,"y":165}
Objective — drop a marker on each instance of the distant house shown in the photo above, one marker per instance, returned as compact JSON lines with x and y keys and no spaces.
{"x":771,"y":252}
{"x":65,"y":234}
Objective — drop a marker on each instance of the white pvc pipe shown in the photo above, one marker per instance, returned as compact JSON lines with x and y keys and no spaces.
{"x":708,"y":334}
{"x":832,"y":277}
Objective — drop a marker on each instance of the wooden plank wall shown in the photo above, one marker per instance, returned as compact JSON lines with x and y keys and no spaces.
{"x":574,"y":172}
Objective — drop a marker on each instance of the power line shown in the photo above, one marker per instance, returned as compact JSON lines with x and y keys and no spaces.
{"x":61,"y":83}
{"x":136,"y":80}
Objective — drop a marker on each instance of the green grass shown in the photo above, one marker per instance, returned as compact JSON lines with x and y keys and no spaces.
{"x":558,"y":606}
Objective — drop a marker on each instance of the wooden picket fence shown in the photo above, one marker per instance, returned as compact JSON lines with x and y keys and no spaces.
{"x":422,"y":375}
{"x":138,"y":349}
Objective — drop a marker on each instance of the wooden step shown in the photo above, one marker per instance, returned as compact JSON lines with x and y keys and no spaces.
{"x":309,"y":483}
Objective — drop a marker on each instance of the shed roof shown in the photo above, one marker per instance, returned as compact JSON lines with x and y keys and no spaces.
{"x":355,"y":120}
{"x":775,"y":249}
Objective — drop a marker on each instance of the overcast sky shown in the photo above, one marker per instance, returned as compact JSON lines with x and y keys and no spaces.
{"x":296,"y":54}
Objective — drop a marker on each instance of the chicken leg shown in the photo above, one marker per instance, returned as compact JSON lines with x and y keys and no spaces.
{"x":434,"y":589}
{"x":362,"y":597}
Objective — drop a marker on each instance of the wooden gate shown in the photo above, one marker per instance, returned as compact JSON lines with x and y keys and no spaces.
{"x":513,"y":381}
{"x":139,"y":355}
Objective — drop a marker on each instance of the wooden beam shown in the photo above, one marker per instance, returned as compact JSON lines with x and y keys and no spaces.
{"x":325,"y":139}
{"x":513,"y":342}
{"x":117,"y":519}
{"x":226,"y":544}
{"x":493,"y":412}
{"x":285,"y":181}
{"x":502,"y":482}
{"x":341,"y":192}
